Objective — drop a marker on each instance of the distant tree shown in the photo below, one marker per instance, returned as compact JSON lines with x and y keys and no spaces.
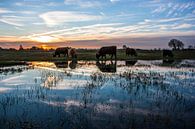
{"x":180,"y":45}
{"x":51,"y":49}
{"x":21,"y":48}
{"x":190,"y":47}
{"x":176,"y":44}
{"x":34,"y":48}
{"x":12,"y":49}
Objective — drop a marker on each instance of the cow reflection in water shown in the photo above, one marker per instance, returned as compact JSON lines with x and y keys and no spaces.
{"x":107,"y":66}
{"x":73,"y":64}
{"x":168,"y":61}
{"x":130,"y":62}
{"x":171,"y":62}
{"x":63,"y":64}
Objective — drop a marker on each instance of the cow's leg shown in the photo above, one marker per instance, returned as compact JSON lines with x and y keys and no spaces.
{"x":111,"y":62}
{"x":103,"y":57}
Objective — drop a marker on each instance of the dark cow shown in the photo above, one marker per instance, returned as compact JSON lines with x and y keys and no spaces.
{"x":61,"y":50}
{"x":167,"y":53}
{"x":105,"y":67}
{"x":73,"y":53}
{"x":110,"y":50}
{"x":131,"y":51}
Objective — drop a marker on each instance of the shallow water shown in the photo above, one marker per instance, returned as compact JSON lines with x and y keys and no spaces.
{"x":121,"y":95}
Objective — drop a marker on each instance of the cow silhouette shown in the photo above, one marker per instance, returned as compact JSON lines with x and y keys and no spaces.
{"x":130,"y":52}
{"x":61,"y":51}
{"x":108,"y":50}
{"x":73,"y":53}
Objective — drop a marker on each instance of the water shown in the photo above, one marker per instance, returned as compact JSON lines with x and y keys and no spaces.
{"x":95,"y":95}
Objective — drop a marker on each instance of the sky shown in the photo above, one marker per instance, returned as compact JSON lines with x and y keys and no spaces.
{"x":94,"y":23}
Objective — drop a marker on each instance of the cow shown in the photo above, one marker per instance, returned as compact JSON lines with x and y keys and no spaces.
{"x":110,"y":50}
{"x":61,"y":50}
{"x":73,"y":53}
{"x":167,"y":53}
{"x":130,"y":51}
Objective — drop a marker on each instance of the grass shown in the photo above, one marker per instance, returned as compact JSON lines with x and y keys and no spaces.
{"x":15,"y":57}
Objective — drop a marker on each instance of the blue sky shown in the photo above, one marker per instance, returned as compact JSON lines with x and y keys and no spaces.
{"x":110,"y":21}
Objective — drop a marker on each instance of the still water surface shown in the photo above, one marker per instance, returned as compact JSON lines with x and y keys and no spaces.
{"x":95,"y":95}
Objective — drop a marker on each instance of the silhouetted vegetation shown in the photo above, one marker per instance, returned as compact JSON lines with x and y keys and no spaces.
{"x":176,"y":44}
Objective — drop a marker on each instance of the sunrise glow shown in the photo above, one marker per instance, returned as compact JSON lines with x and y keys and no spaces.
{"x":44,"y":39}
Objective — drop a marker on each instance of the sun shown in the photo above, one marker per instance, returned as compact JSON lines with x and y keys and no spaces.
{"x":46,"y":47}
{"x":44,"y":39}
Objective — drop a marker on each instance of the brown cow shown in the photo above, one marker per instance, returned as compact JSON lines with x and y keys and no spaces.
{"x":73,"y":53}
{"x":110,"y":50}
{"x":61,"y":50}
{"x":131,"y":51}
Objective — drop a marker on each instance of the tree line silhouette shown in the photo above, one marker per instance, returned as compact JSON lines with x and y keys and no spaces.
{"x":174,"y":44}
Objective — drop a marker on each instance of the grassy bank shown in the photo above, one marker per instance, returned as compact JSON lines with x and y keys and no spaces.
{"x":15,"y":56}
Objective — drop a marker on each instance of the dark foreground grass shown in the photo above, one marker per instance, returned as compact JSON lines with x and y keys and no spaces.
{"x":11,"y":57}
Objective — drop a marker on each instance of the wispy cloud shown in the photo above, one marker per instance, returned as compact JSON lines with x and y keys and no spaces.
{"x":59,"y":17}
{"x":183,"y":26}
{"x":12,"y":20}
{"x":172,"y":8}
{"x":4,"y":10}
{"x":114,"y":1}
{"x":149,"y":27}
{"x":160,"y":9}
{"x":83,"y":3}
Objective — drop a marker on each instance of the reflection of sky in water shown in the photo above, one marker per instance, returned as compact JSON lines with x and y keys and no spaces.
{"x":142,"y":93}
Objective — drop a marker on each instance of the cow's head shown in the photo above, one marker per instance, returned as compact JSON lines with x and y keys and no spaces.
{"x":97,"y":55}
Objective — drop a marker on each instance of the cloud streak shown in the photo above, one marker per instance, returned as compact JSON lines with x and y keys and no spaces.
{"x":55,"y":18}
{"x":12,"y":20}
{"x":148,"y":27}
{"x":4,"y":10}
{"x":83,"y":3}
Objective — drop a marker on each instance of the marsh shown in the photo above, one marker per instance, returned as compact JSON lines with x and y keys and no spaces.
{"x":142,"y":94}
